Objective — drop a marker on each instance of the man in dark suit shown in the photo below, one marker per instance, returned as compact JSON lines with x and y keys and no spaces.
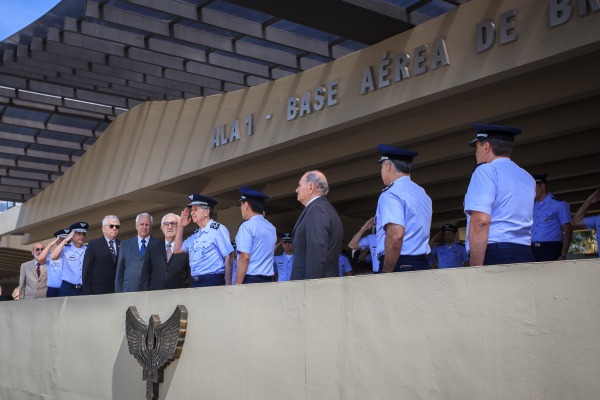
{"x":318,"y":233}
{"x":163,"y":269}
{"x":131,"y":256}
{"x":100,"y":260}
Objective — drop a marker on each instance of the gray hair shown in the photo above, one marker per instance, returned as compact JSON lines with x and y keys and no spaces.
{"x":166,"y":215}
{"x":137,"y":219}
{"x":401,"y":166}
{"x":107,"y":217}
{"x":320,"y":182}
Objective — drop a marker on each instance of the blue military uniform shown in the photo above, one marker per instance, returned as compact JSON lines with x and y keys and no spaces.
{"x":451,"y":256}
{"x":404,"y":203}
{"x":549,"y":215}
{"x":207,"y":248}
{"x":282,"y":264}
{"x":54,"y":269}
{"x":256,"y":237}
{"x":344,"y":264}
{"x":370,"y":241}
{"x":506,"y":192}
{"x":593,"y":222}
{"x":71,"y":258}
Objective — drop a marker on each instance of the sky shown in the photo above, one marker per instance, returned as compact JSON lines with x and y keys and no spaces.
{"x":17,"y":14}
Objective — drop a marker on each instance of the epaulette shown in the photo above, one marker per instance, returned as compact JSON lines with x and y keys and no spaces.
{"x":389,"y":186}
{"x":215,"y":225}
{"x":557,"y":198}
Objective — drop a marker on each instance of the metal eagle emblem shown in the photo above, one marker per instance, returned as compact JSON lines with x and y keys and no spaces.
{"x":155,"y":345}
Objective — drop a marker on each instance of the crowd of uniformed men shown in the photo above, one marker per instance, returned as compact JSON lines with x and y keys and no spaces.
{"x":511,"y":218}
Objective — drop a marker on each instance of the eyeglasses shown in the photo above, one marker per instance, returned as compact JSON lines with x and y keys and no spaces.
{"x":115,"y":226}
{"x":172,"y":223}
{"x":40,"y":249}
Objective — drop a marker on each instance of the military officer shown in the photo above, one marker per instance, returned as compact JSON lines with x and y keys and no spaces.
{"x":358,"y":242}
{"x":71,"y":252}
{"x":403,"y":217}
{"x":255,"y":240}
{"x":282,"y":264}
{"x":54,"y":267}
{"x":450,"y":254}
{"x":499,"y":200}
{"x":209,"y":247}
{"x":551,"y":230}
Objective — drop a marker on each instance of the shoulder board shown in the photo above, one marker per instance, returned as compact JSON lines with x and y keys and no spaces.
{"x":557,"y":198}
{"x":392,"y":184}
{"x":215,"y":225}
{"x":196,"y":231}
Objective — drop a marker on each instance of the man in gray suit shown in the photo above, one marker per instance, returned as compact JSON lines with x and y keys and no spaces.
{"x":131,"y":255}
{"x":318,"y":233}
{"x":33,"y":279}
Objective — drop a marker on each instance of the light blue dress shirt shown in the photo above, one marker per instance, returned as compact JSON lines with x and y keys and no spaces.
{"x":257,"y":237}
{"x":405,"y":203}
{"x":54,"y":272}
{"x":282,"y":265}
{"x":208,"y":248}
{"x":549,"y":215}
{"x":71,"y":258}
{"x":370,"y":241}
{"x":344,"y":265}
{"x":450,"y":257}
{"x":506,"y":192}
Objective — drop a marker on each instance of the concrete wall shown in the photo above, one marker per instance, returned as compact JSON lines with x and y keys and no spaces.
{"x":519,"y":332}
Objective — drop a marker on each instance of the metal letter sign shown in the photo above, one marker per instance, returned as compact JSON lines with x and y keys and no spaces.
{"x":155,"y":345}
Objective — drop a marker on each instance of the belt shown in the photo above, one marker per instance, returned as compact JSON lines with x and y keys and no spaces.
{"x":506,"y":245}
{"x":72,"y":285}
{"x":262,"y":276}
{"x":198,"y":278}
{"x":541,"y":244}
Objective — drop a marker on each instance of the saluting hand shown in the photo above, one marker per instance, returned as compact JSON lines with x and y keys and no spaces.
{"x":594,"y":197}
{"x":369,"y":224}
{"x":185,"y":217}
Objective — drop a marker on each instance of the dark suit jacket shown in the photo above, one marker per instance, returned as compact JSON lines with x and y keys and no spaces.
{"x":158,"y":274}
{"x":99,"y":269}
{"x":317,"y":239}
{"x":129,"y":265}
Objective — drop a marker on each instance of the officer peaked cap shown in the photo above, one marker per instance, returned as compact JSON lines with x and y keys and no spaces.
{"x":79,"y":227}
{"x":395,"y":153}
{"x":251,"y":194}
{"x":200,"y":200}
{"x":487,"y":131}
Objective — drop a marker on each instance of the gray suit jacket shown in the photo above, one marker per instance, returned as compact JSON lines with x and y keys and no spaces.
{"x":317,"y":239}
{"x":129,"y":265}
{"x":30,"y":286}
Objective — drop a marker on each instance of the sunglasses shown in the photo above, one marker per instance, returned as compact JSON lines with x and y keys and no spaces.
{"x":111,"y":226}
{"x":40,"y":249}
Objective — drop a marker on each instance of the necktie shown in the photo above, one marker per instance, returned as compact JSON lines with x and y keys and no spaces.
{"x":169,"y":252}
{"x":143,"y":247}
{"x":37,"y":269}
{"x":112,"y":250}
